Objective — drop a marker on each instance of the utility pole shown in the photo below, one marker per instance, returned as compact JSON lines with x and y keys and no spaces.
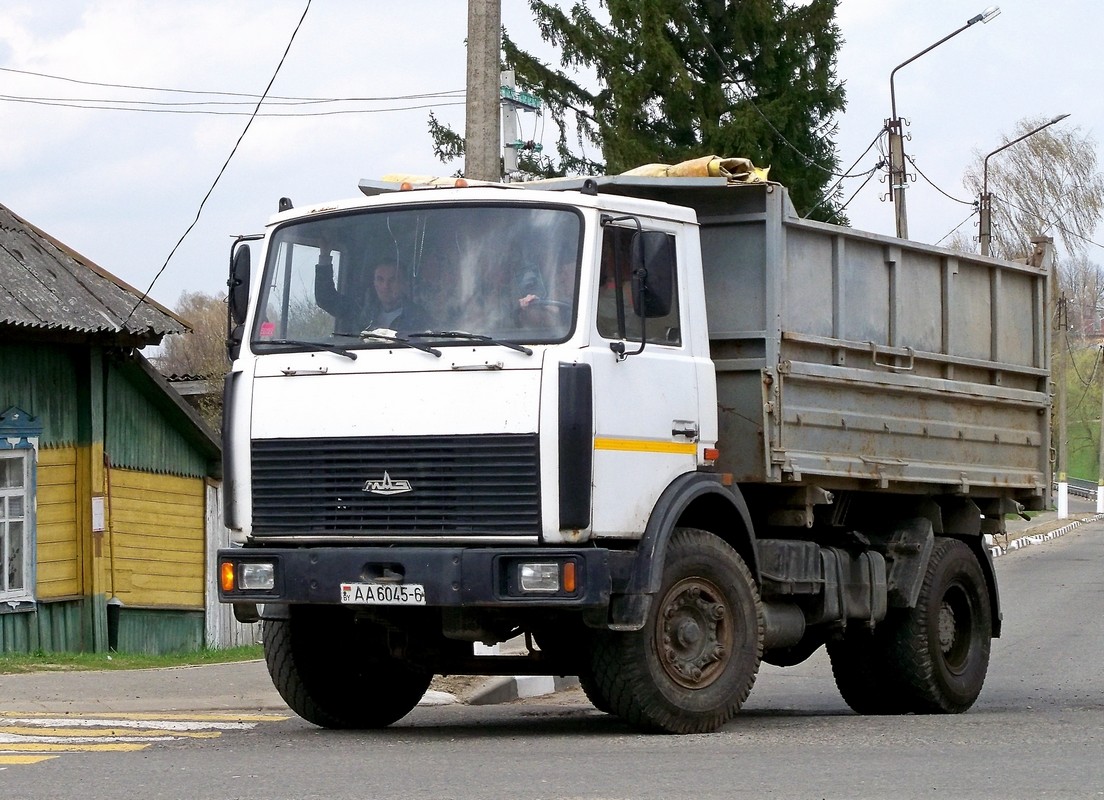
{"x":898,"y":177}
{"x":509,"y":125}
{"x":1100,"y":457}
{"x":1044,"y":258}
{"x":481,"y":142}
{"x":514,"y":101}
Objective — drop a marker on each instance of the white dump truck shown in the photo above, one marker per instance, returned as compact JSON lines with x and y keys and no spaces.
{"x":659,"y":429}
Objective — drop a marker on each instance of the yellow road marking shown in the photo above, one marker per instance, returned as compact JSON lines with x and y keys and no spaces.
{"x":644,"y":445}
{"x":225,"y":717}
{"x":33,"y":730}
{"x":50,"y":747}
{"x":23,"y":759}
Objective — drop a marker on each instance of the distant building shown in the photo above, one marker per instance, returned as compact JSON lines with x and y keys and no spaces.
{"x":109,"y":481}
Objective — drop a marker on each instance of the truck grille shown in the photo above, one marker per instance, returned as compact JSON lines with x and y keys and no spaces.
{"x":422,"y":485}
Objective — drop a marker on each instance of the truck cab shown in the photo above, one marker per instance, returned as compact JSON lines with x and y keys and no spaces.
{"x":661,"y":428}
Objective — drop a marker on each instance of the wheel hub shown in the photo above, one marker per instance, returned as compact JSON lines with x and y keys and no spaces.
{"x":955,"y":623}
{"x":695,"y":633}
{"x":946,"y":627}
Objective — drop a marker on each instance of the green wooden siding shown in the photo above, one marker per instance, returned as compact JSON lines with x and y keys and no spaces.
{"x":50,"y":628}
{"x":137,"y":435}
{"x":159,"y":632}
{"x":56,"y":628}
{"x":42,"y":380}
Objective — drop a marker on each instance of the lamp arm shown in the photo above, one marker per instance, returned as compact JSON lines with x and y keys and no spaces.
{"x":1006,"y":145}
{"x":929,"y":48}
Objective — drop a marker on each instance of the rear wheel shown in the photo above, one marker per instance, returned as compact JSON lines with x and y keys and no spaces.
{"x":337,"y":674}
{"x":692,"y":665}
{"x":928,"y":659}
{"x":943,"y":644}
{"x":865,"y":675}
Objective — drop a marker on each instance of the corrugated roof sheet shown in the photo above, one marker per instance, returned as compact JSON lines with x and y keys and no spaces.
{"x":46,"y":286}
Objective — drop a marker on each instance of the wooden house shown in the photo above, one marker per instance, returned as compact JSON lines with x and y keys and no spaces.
{"x":109,"y":481}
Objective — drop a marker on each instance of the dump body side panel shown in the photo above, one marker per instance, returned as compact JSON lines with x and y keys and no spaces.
{"x":857,"y":361}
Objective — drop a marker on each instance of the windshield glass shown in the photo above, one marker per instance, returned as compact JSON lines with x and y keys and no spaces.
{"x":509,"y":273}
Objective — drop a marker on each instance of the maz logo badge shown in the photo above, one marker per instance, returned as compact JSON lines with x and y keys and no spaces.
{"x":387,"y":486}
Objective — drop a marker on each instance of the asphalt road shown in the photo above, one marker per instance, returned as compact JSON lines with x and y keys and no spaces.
{"x":1035,"y":732}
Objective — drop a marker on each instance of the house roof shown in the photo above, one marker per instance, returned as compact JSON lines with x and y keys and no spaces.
{"x":49,"y":288}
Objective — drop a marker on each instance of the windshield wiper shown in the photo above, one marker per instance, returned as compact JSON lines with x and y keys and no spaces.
{"x":332,"y":348}
{"x":475,"y":337}
{"x":387,"y":337}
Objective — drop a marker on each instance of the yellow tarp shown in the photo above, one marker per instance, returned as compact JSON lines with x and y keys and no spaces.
{"x":737,"y":170}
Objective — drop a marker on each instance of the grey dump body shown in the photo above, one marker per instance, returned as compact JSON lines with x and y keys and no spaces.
{"x":853,"y":361}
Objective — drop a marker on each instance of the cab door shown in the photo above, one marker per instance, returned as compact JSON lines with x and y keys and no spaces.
{"x":646,"y":409}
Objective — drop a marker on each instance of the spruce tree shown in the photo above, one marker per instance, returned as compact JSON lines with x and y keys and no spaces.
{"x":669,"y":80}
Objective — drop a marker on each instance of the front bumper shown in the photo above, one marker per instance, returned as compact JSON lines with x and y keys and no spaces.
{"x":451,"y":576}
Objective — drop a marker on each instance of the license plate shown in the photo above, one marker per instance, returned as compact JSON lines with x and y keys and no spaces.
{"x":383,"y":594}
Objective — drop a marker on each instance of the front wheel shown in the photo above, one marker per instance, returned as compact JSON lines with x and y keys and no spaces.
{"x":692,"y":665}
{"x":336,"y":675}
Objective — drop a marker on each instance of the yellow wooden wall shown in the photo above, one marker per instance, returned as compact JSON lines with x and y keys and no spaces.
{"x":152,"y":554}
{"x":58,"y":555}
{"x":156,"y":552}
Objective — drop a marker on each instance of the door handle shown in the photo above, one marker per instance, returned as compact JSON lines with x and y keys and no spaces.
{"x":687,"y":428}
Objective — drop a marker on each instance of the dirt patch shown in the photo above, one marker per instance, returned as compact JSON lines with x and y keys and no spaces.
{"x":461,"y":686}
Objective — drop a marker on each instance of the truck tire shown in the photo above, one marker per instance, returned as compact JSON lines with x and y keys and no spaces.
{"x":593,"y":691}
{"x":862,"y":665}
{"x":326,"y":679}
{"x":692,"y":665}
{"x":563,"y":642}
{"x":943,"y":643}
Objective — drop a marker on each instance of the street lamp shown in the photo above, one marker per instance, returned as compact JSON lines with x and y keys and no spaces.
{"x":897,"y":178}
{"x":985,"y":201}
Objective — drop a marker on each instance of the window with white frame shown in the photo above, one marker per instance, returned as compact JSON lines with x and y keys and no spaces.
{"x":16,"y":529}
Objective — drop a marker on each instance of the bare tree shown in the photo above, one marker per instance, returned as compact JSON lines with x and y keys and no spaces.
{"x":1082,"y":286}
{"x":1047,"y":184}
{"x":201,"y":354}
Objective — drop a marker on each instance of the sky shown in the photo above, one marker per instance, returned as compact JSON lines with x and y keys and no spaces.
{"x":122,"y":186}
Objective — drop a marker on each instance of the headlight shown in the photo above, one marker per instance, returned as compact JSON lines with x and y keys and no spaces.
{"x":539,"y":577}
{"x":256,"y":576}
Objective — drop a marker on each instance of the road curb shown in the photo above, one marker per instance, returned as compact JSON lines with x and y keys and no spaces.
{"x":509,"y":688}
{"x":1038,"y":538}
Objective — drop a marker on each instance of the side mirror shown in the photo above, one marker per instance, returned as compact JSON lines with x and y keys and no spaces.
{"x":653,"y":260}
{"x":238,"y":284}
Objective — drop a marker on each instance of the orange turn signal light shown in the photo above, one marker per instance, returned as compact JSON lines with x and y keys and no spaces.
{"x":569,"y":576}
{"x":226,"y":576}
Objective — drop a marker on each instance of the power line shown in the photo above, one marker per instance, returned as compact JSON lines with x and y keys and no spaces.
{"x":1054,"y":223}
{"x":955,"y":228}
{"x":226,"y":163}
{"x":861,"y":187}
{"x":929,"y":180}
{"x":834,"y":186}
{"x":85,"y":106}
{"x":217,"y":93}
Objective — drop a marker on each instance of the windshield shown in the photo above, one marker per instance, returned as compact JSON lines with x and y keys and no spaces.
{"x":507,"y":273}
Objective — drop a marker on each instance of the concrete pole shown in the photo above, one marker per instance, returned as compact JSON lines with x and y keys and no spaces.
{"x":985,"y":229}
{"x":481,"y":142}
{"x":1100,"y":457}
{"x":1058,"y":373}
{"x":898,"y":180}
{"x":509,"y":128}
